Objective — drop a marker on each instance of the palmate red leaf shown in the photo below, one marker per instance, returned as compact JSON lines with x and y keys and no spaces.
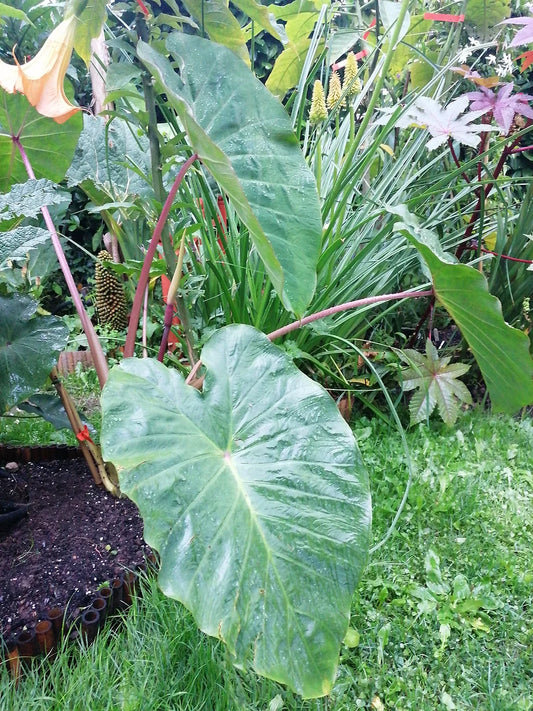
{"x":528,"y":59}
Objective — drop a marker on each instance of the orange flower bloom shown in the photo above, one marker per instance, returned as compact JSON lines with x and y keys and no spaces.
{"x":41,"y":79}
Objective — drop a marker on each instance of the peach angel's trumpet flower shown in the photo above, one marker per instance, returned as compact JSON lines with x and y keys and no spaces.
{"x":41,"y":79}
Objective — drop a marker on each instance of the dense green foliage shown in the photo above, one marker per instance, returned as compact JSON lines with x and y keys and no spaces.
{"x":260,"y":215}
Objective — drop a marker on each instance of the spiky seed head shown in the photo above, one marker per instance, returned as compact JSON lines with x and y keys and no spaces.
{"x":318,"y":110}
{"x":334,"y":91}
{"x":110,"y":298}
{"x":352,"y":84}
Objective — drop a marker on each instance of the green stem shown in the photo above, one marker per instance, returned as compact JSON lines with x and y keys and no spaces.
{"x":95,"y":346}
{"x":452,"y":44}
{"x":153,"y":138}
{"x":318,"y":165}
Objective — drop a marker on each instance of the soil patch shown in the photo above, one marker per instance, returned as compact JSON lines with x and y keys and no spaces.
{"x":74,"y":538}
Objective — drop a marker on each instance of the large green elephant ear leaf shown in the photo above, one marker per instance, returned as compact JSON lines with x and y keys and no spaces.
{"x":29,"y":348}
{"x":254,"y":493}
{"x":502,"y":352}
{"x":48,"y":145}
{"x":244,"y":137}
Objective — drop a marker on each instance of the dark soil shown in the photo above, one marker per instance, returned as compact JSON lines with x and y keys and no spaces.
{"x":74,"y":538}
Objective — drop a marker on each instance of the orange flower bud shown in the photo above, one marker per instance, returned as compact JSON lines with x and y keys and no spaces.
{"x":41,"y":79}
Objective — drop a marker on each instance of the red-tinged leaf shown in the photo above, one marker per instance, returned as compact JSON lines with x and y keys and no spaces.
{"x":528,"y":59}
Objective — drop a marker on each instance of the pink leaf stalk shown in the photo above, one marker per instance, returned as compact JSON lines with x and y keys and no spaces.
{"x":95,"y":346}
{"x":145,"y":271}
{"x":344,"y":307}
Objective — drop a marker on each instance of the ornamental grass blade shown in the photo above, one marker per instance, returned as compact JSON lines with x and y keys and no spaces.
{"x":254,"y":493}
{"x":244,"y":137}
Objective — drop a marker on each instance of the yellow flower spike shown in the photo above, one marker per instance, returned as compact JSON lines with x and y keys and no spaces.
{"x":334,"y":91}
{"x":351,"y":81}
{"x":318,"y":110}
{"x":41,"y":79}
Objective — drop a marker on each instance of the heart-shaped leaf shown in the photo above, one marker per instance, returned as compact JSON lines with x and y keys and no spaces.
{"x":244,"y":137}
{"x":29,"y":348}
{"x":48,"y":145}
{"x":254,"y":493}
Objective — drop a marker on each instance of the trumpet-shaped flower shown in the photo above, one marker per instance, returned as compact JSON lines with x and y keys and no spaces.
{"x":503,"y":105}
{"x":41,"y":79}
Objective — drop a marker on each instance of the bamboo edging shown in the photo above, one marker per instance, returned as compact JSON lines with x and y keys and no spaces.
{"x":48,"y":635}
{"x":102,"y":474}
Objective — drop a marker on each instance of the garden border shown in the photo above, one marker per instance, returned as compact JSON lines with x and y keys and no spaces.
{"x":59,"y":623}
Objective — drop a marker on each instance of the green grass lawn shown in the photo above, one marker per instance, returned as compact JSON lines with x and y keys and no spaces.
{"x":443,"y":617}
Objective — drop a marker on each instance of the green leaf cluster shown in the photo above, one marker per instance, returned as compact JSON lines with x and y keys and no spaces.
{"x":218,"y":21}
{"x":484,"y":15}
{"x":26,"y":199}
{"x":502,"y":352}
{"x":91,"y":16}
{"x":289,"y":64}
{"x":16,"y":243}
{"x":435,"y":383}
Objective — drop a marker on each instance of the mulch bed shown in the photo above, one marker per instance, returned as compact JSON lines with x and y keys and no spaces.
{"x":74,"y":538}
